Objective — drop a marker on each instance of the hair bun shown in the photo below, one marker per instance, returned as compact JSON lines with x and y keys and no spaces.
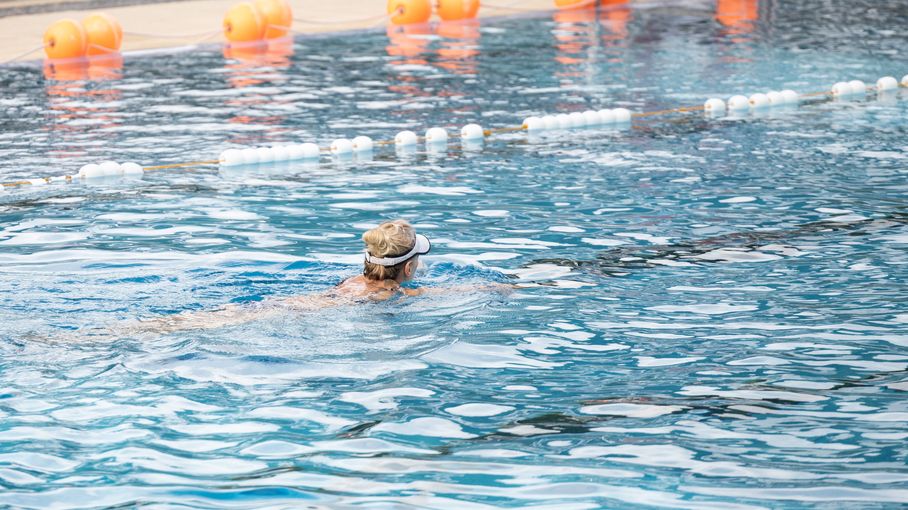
{"x":391,"y":238}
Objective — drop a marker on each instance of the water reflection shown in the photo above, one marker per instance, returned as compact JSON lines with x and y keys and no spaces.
{"x":409,"y":49}
{"x":459,"y":46}
{"x":272,"y":53}
{"x":614,"y":17}
{"x":252,"y":67}
{"x":84,"y":98}
{"x":581,"y":34}
{"x":408,"y":44}
{"x":738,"y":16}
{"x":575,"y":35}
{"x":97,"y":68}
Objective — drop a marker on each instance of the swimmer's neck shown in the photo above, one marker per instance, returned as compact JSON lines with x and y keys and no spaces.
{"x":389,"y":284}
{"x":375,"y":289}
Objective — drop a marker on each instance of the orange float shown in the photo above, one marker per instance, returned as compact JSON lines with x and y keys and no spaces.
{"x":104,"y":33}
{"x":65,"y":39}
{"x":453,"y":10}
{"x":278,"y":17}
{"x":406,"y":12}
{"x":738,"y":15}
{"x":573,"y":4}
{"x":244,"y":23}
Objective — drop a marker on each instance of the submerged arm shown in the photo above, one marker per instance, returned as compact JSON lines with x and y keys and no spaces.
{"x":503,"y":288}
{"x":229,"y":315}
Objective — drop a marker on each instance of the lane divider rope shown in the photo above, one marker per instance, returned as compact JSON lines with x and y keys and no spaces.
{"x":511,"y":6}
{"x":889,"y":85}
{"x":377,"y":18}
{"x":151,"y":35}
{"x":23,"y":55}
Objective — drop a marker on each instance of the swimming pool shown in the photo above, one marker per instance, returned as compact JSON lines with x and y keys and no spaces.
{"x":717,"y":322}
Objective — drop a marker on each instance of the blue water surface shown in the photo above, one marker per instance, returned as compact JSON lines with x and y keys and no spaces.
{"x":710,"y":313}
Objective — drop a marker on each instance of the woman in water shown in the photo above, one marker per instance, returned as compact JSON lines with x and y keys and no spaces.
{"x":392,"y":256}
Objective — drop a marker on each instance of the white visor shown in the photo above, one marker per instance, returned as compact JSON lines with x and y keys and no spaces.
{"x":421,"y":247}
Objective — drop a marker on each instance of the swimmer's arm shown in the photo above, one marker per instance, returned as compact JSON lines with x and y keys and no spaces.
{"x":229,"y":315}
{"x":503,"y":288}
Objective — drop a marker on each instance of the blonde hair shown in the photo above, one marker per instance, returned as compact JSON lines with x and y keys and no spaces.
{"x":391,"y":239}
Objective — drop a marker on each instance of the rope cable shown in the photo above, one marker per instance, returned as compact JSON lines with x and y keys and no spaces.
{"x":172,"y":36}
{"x":379,"y":18}
{"x":22,"y":55}
{"x":510,"y":6}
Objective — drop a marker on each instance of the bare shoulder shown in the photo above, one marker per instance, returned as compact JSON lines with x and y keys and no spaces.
{"x":357,"y":285}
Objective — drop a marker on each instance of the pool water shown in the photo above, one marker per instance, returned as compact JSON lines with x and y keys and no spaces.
{"x":711,"y":313}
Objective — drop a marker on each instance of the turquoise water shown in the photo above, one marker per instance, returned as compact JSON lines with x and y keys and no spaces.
{"x":713,"y":313}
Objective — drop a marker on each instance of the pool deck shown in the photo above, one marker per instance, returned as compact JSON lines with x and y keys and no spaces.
{"x":192,"y":22}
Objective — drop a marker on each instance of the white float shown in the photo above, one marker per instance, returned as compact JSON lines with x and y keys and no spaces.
{"x":341,"y":147}
{"x":564,"y":121}
{"x":362,"y":144}
{"x":577,"y":119}
{"x":714,"y":106}
{"x":294,"y":151}
{"x":534,"y":124}
{"x":250,"y":156}
{"x":606,"y":116}
{"x":905,"y":80}
{"x":472,"y":133}
{"x":841,"y":88}
{"x":111,"y":168}
{"x":231,"y":157}
{"x":310,"y":151}
{"x":132,"y":169}
{"x":405,"y":138}
{"x":858,"y":87}
{"x":775,"y":98}
{"x":738,"y":103}
{"x":280,"y":153}
{"x":758,"y":101}
{"x":887,"y":83}
{"x":90,"y":171}
{"x":791,"y":97}
{"x":622,"y":115}
{"x":591,"y":118}
{"x":38,"y":182}
{"x":436,"y":136}
{"x":550,"y":122}
{"x":264,"y":154}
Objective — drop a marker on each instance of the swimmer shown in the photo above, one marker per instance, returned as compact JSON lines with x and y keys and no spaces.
{"x":392,"y":256}
{"x":391,"y":259}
